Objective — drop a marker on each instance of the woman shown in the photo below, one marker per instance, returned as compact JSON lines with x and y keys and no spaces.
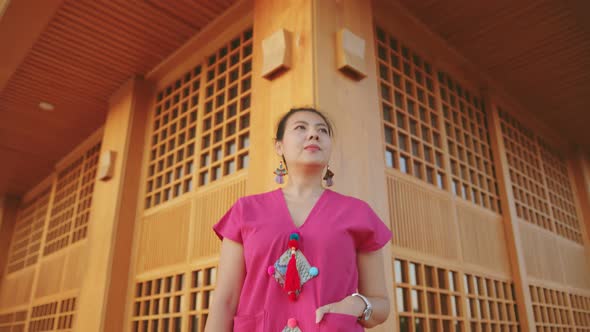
{"x":300,"y":258}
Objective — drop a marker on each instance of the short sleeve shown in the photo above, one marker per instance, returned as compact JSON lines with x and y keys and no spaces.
{"x":370,"y":233}
{"x":230,"y":225}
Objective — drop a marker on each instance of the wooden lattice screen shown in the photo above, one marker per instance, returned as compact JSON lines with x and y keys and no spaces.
{"x":540,"y":180}
{"x":72,"y":199}
{"x":491,"y":304}
{"x":200,"y":127}
{"x":13,"y":321}
{"x":415,"y":114}
{"x":557,"y":310}
{"x":53,"y":316}
{"x":427,"y":297}
{"x":162,"y":303}
{"x":432,"y":298}
{"x":468,"y":142}
{"x":411,"y":122}
{"x":25,"y":244}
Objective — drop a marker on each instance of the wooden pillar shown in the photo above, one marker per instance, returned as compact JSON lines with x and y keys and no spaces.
{"x":511,"y":228}
{"x":358,"y":156}
{"x":8,"y":211}
{"x":102,"y":295}
{"x":272,"y":98}
{"x":313,"y":79}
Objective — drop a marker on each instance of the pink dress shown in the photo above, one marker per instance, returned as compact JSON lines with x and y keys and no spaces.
{"x":337,"y":227}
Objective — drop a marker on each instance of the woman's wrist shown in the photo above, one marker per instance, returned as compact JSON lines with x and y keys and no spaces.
{"x":358,"y":305}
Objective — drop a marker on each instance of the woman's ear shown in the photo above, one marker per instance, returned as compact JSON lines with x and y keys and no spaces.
{"x":279,"y":148}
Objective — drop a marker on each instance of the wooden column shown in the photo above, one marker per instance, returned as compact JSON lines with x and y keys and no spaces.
{"x":272,"y":98}
{"x":102,"y":295}
{"x":510,"y":219}
{"x":358,"y":156}
{"x":8,"y":211}
{"x":313,"y":79}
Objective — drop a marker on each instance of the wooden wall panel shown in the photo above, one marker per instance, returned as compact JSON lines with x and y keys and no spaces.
{"x":164,"y":237}
{"x":75,"y":267}
{"x":575,"y":264}
{"x":552,"y":258}
{"x":209,"y":207}
{"x":16,"y":288}
{"x":50,"y":275}
{"x":422,"y":219}
{"x":482,"y":239}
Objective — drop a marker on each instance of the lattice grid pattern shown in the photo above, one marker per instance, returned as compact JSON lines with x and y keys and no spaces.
{"x":201,"y":291}
{"x":159,"y":304}
{"x":26,"y":238}
{"x":53,"y":316}
{"x":427,"y":298}
{"x":13,"y":321}
{"x":85,"y":193}
{"x":473,"y":176}
{"x":526,"y":174}
{"x":551,"y":309}
{"x":210,"y":121}
{"x":581,"y":310}
{"x":19,"y":243}
{"x":226,"y":119}
{"x":64,"y":203}
{"x":410,"y":120}
{"x":560,"y":193}
{"x":491,"y":304}
{"x":540,"y":181}
{"x":173,"y":140}
{"x":73,"y":197}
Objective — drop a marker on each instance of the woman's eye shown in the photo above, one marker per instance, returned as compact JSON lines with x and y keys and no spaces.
{"x":324,"y":130}
{"x":300,"y":127}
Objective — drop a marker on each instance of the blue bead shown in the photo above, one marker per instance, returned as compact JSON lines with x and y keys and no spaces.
{"x":314,"y":271}
{"x":294,"y":236}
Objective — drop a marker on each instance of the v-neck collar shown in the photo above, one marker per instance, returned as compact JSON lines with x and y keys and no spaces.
{"x":313,"y":211}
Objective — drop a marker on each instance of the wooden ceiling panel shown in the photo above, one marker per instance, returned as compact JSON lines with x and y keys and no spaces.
{"x":80,"y":54}
{"x":539,"y":51}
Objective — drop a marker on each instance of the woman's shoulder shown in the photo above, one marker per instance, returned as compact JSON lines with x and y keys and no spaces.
{"x":350,"y":201}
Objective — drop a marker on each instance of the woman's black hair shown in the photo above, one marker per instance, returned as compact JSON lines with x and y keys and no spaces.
{"x":284,"y":118}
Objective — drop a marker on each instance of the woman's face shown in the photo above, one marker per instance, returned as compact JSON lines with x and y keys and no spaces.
{"x":306,"y":141}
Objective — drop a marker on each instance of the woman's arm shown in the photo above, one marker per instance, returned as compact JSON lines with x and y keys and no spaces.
{"x":229,"y":286}
{"x":372,"y":285}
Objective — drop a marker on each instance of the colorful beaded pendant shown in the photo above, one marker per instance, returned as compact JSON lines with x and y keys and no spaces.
{"x":291,"y":326}
{"x":292,"y":270}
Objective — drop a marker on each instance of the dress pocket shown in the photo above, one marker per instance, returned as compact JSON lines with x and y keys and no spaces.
{"x":250,"y":323}
{"x":334,"y":322}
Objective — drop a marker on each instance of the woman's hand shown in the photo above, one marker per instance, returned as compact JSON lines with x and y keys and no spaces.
{"x":350,"y":305}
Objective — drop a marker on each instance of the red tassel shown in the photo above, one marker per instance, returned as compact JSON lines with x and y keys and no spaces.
{"x":292,"y":281}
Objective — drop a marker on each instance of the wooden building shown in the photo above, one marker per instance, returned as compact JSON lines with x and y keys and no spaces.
{"x":127,"y":128}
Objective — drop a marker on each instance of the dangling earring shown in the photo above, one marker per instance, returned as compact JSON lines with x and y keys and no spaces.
{"x":280,"y":172}
{"x":328,"y":177}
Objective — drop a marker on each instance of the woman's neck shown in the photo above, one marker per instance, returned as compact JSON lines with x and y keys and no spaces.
{"x":304,"y":184}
